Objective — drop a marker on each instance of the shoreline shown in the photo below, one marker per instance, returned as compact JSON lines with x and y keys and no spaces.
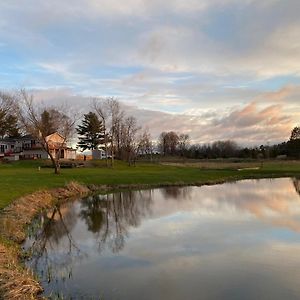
{"x":17,"y":282}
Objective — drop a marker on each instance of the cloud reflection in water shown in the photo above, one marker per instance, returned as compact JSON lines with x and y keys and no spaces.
{"x":230,"y":241}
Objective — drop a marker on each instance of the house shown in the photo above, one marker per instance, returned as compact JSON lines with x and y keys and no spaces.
{"x":7,"y":147}
{"x":58,"y":147}
{"x":27,"y":147}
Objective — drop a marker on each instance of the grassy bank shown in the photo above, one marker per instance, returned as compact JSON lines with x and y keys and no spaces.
{"x":23,"y":177}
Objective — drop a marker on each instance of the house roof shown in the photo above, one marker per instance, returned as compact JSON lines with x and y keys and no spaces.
{"x":14,"y":138}
{"x":27,"y":137}
{"x":55,"y":133}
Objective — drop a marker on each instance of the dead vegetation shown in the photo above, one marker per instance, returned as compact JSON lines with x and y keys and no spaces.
{"x":15,"y":281}
{"x":217,"y":165}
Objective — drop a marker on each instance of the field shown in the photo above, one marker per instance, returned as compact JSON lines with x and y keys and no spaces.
{"x":23,"y":177}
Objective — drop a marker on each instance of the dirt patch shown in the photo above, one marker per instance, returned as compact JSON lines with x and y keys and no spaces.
{"x":15,"y":281}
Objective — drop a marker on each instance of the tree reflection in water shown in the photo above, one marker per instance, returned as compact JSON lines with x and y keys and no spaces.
{"x":296,"y":182}
{"x":176,"y":192}
{"x":45,"y":235}
{"x":110,"y":216}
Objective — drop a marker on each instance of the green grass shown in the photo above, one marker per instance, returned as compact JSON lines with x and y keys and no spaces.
{"x":23,"y":177}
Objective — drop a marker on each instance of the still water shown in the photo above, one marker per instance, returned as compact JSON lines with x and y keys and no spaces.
{"x":231,"y":241}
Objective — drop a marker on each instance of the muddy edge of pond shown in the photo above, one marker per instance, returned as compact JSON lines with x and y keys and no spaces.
{"x":17,"y":282}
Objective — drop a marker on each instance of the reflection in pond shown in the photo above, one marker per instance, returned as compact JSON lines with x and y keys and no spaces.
{"x":296,"y":182}
{"x":47,"y":232}
{"x":232,"y":241}
{"x":110,"y":216}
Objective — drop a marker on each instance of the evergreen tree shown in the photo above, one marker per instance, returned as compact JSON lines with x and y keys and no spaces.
{"x":91,"y":132}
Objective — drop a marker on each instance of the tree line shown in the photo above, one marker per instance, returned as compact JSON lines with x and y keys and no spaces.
{"x":175,"y":144}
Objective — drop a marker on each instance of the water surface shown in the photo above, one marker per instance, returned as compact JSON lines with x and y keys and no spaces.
{"x":231,"y":241}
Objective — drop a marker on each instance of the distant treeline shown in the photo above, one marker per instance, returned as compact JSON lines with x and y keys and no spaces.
{"x":171,"y":143}
{"x":227,"y":149}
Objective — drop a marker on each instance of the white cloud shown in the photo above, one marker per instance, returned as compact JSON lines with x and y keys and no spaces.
{"x":252,"y":124}
{"x":177,"y":43}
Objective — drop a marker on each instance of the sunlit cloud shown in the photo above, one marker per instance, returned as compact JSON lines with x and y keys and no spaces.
{"x":250,"y":124}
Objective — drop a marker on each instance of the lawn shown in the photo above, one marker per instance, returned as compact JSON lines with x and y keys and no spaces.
{"x":23,"y":177}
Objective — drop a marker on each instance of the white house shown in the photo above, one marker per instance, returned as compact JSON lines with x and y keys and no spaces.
{"x":7,"y":147}
{"x":27,"y":147}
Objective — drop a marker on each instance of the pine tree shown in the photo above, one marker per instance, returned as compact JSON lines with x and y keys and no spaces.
{"x":91,"y":132}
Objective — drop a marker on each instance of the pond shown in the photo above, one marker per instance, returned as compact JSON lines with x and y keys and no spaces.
{"x":230,"y":241}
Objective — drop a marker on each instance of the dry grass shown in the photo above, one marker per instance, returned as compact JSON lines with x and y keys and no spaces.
{"x":215,"y":165}
{"x":15,"y":281}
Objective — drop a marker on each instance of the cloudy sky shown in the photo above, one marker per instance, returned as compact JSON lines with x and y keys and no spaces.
{"x":216,"y":69}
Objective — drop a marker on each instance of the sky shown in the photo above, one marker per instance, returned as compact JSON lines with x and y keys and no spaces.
{"x":215,"y":69}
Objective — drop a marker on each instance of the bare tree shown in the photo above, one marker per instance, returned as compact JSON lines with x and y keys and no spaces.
{"x":129,"y":142}
{"x":225,"y":149}
{"x":8,"y":118}
{"x":183,"y":143}
{"x":98,"y":105}
{"x":122,"y":139}
{"x":116,"y":116}
{"x":111,"y":113}
{"x":295,"y":134}
{"x":7,"y":103}
{"x":168,"y":142}
{"x":145,"y":143}
{"x":32,"y":118}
